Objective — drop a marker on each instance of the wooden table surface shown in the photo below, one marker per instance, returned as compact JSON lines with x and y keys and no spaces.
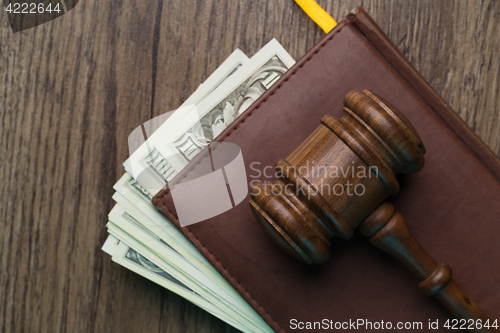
{"x":72,"y":90}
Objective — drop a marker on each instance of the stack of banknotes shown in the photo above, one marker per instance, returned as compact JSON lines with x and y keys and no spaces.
{"x":143,"y":240}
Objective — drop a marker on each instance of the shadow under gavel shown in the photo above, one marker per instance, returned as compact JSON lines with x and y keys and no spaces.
{"x":338,"y":179}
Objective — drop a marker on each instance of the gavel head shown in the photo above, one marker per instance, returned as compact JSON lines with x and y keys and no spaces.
{"x":344,"y":170}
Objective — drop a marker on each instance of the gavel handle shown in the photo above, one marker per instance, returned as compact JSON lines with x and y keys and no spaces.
{"x":389,"y":231}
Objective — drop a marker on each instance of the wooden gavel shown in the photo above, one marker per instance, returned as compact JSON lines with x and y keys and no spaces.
{"x":338,"y":179}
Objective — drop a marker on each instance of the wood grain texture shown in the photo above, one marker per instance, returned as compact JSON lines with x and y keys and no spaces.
{"x":72,"y":90}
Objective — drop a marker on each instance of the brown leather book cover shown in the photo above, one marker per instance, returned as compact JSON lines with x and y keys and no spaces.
{"x":452,"y":205}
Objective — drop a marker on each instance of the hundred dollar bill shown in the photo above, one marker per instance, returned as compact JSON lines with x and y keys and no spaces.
{"x":140,"y":264}
{"x":144,"y":213}
{"x":166,"y":233}
{"x":187,"y":284}
{"x":133,"y":197}
{"x":222,"y":73}
{"x":123,"y":226}
{"x":134,"y":193}
{"x":206,"y":271}
{"x":183,"y":140}
{"x":143,"y":153}
{"x":120,"y":251}
{"x":136,"y":202}
{"x":140,"y":228}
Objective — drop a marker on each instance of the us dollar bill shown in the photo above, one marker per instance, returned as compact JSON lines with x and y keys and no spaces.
{"x":143,"y":155}
{"x":123,"y":226}
{"x":130,"y":231}
{"x":145,"y":263}
{"x":137,"y":202}
{"x":180,"y":142}
{"x":140,"y":264}
{"x":141,"y":261}
{"x":136,"y":208}
{"x":143,"y":240}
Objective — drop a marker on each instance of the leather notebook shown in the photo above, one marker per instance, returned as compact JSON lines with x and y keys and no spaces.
{"x":452,"y":205}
